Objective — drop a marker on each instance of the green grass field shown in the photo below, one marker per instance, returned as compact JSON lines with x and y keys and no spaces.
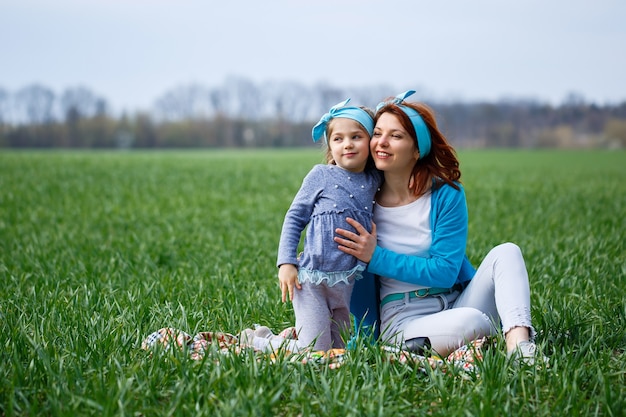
{"x":99,"y":249}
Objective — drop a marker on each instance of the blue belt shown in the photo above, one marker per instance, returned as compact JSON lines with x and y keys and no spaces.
{"x":421,"y":293}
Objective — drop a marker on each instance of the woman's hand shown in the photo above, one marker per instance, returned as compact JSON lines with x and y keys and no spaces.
{"x":361,"y":244}
{"x":288,"y":277}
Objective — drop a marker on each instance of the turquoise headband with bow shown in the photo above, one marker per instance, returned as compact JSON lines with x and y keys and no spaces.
{"x":340,"y":110}
{"x":421,"y":130}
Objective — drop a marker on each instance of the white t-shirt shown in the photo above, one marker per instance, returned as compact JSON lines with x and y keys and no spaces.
{"x":405,"y":230}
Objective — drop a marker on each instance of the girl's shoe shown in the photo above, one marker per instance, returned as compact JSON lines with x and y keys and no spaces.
{"x":263,"y":332}
{"x":246,"y":338}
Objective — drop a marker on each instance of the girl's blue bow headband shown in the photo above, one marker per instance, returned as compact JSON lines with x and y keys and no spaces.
{"x":342,"y":111}
{"x":421,"y":130}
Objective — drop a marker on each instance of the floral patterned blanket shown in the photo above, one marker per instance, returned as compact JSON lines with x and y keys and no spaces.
{"x":197,"y":346}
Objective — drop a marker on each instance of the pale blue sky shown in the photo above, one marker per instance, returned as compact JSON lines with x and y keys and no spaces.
{"x":132,"y":51}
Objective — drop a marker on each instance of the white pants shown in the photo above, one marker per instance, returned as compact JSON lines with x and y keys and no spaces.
{"x":497,"y":296}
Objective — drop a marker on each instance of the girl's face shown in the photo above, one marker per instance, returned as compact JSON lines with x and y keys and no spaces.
{"x":349,"y":144}
{"x":393,"y":149}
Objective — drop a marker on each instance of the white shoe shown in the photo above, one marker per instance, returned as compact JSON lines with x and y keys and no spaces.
{"x":263,"y":332}
{"x":526,"y":353}
{"x":246,"y":337}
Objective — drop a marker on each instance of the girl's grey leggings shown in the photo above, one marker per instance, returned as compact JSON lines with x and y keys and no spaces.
{"x":322,"y":318}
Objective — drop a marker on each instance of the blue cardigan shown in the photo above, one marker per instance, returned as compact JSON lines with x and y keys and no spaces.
{"x":448,"y":264}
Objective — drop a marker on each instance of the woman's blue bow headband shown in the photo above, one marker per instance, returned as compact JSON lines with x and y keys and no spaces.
{"x":342,"y":111}
{"x":421,"y":130}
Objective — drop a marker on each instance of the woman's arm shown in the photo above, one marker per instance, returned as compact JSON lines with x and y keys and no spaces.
{"x":449,"y":227}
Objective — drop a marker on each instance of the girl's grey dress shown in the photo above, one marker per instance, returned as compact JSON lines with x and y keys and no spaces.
{"x":327,"y":196}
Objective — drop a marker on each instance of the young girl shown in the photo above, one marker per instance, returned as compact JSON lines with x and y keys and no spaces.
{"x":323,"y":277}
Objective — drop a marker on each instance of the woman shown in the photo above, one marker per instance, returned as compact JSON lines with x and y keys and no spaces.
{"x":428,"y":290}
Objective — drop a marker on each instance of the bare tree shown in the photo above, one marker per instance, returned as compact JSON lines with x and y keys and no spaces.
{"x":185,"y":102}
{"x":82,"y":102}
{"x":245,"y":98}
{"x":34,"y":104}
{"x":4,"y":106}
{"x":287,"y":101}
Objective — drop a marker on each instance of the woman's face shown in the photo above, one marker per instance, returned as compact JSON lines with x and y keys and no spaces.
{"x":393,"y":149}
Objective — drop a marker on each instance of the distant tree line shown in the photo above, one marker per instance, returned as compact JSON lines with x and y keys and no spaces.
{"x":241,"y":113}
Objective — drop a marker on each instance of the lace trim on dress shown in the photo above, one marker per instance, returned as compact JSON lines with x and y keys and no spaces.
{"x":330,"y":278}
